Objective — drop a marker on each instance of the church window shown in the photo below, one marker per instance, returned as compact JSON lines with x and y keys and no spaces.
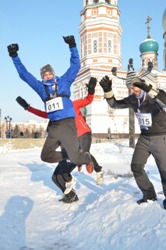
{"x":95,"y":46}
{"x":143,"y":62}
{"x":109,"y":46}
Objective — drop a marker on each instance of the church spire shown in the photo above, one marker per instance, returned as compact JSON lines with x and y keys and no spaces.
{"x":148,"y":26}
{"x":149,"y":48}
{"x":100,"y":34}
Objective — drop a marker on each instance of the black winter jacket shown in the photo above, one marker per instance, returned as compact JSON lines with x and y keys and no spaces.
{"x":149,"y":105}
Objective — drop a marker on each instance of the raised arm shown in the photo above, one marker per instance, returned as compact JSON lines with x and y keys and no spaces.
{"x":32,"y":110}
{"x":106,"y":85}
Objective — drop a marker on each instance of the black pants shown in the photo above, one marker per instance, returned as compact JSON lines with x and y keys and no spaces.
{"x":147,"y":145}
{"x":85,"y":141}
{"x":63,"y":132}
{"x":62,"y":174}
{"x":63,"y":171}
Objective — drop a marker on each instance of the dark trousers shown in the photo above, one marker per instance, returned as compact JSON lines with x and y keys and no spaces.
{"x":85,"y":141}
{"x":62,"y":174}
{"x":147,"y":145}
{"x":63,"y":133}
{"x":63,"y":171}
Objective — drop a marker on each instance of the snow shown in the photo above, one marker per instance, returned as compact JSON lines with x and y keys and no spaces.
{"x":106,"y":217}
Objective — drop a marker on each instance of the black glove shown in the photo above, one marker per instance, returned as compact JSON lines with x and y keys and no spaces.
{"x":22,"y":102}
{"x":140,"y":83}
{"x":91,"y":85}
{"x":12,"y":49}
{"x":70,"y":40}
{"x":106,"y":84}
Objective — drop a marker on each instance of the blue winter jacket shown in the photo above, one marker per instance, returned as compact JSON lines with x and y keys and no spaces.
{"x":64,"y":83}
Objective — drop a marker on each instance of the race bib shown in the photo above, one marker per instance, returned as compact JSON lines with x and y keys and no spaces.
{"x":144,"y":120}
{"x":54,"y":104}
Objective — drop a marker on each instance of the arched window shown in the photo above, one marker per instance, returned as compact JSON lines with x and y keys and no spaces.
{"x":96,"y":1}
{"x":143,"y":62}
{"x":86,"y":2}
{"x":107,"y":1}
{"x":95,"y":46}
{"x":109,"y":46}
{"x":154,"y":63}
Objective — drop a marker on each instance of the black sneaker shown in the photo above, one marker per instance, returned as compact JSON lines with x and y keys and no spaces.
{"x":70,"y":197}
{"x":143,"y":200}
{"x":164,"y":204}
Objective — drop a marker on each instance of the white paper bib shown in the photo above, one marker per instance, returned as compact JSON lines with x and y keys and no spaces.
{"x":54,"y":104}
{"x":144,"y":120}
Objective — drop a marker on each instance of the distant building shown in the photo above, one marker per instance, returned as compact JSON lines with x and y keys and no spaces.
{"x":31,"y":125}
{"x":100,"y":35}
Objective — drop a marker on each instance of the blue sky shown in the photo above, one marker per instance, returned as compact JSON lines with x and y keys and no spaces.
{"x":38,"y":27}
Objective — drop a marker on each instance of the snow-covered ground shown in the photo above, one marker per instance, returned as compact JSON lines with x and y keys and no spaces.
{"x":106,"y":217}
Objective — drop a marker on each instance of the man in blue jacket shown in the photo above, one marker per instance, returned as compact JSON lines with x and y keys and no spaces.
{"x":55,"y":93}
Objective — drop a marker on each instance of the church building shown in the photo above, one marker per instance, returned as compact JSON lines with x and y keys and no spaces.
{"x":100,"y":50}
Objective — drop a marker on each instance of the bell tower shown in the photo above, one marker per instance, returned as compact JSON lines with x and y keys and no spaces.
{"x":100,"y":50}
{"x":100,"y":34}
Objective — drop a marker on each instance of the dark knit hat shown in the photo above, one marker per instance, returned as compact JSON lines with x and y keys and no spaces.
{"x":129,"y":77}
{"x":46,"y":68}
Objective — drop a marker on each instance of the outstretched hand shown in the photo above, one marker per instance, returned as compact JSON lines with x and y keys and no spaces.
{"x":12,"y":49}
{"x":140,"y":83}
{"x":70,"y":40}
{"x":106,"y":84}
{"x":22,"y":102}
{"x":91,"y":85}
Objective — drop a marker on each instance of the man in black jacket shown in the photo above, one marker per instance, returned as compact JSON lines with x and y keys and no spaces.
{"x":144,"y":100}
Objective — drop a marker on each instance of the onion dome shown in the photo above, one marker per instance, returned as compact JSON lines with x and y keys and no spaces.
{"x":148,"y":45}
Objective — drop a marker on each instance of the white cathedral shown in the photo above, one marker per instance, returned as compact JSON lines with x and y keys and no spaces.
{"x":100,"y":41}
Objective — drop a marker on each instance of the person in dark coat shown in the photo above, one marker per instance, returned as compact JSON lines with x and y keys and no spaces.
{"x":144,"y":100}
{"x":55,"y":93}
